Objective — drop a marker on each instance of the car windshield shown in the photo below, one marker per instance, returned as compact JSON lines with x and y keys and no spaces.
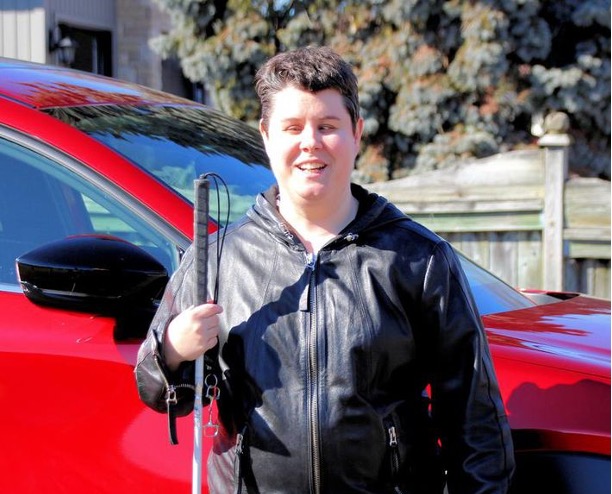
{"x":177,"y":144}
{"x":492,"y":295}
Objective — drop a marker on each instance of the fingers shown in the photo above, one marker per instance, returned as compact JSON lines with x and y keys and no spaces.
{"x":192,"y":333}
{"x":206,"y":320}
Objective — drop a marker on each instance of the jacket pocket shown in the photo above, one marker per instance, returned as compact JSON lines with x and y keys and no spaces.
{"x":413,"y":450}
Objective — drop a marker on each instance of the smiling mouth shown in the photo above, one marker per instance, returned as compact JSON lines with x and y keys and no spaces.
{"x":312,"y":167}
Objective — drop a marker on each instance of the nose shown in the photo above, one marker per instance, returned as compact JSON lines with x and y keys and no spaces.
{"x":310,"y":138}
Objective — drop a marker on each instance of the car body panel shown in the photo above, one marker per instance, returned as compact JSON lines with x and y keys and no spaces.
{"x":552,"y":356}
{"x":76,"y":422}
{"x":565,"y":334}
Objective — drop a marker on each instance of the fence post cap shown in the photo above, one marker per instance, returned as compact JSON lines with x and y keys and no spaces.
{"x":556,"y":125}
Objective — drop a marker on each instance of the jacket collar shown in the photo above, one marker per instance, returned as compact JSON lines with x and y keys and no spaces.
{"x":374,"y":210}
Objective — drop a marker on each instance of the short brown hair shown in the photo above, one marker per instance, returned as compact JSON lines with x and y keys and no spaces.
{"x":312,"y":69}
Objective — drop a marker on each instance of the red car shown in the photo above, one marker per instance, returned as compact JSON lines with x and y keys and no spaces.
{"x":96,"y":189}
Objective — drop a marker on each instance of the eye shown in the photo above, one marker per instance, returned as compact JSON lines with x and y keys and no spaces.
{"x":328,"y":125}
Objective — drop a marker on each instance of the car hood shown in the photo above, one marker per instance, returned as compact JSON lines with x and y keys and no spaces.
{"x":572,"y":334}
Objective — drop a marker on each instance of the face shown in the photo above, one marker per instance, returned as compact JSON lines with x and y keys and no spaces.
{"x":311,"y":145}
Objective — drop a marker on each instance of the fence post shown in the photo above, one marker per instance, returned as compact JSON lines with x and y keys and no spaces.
{"x":555,"y":145}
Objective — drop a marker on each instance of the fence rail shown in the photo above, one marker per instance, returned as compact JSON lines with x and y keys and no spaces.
{"x":519,"y":215}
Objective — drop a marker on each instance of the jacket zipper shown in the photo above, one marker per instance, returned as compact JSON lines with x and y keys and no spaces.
{"x":171,"y":400}
{"x":313,"y":379}
{"x":313,"y":371}
{"x":393,"y":446}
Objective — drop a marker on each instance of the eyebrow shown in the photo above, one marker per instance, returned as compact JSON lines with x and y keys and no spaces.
{"x":328,"y":117}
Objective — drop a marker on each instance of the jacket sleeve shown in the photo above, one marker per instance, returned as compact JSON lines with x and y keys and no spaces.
{"x":467,"y":407}
{"x":159,"y":388}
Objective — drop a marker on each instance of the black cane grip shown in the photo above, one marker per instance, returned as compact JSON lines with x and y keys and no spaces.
{"x":200,"y":236}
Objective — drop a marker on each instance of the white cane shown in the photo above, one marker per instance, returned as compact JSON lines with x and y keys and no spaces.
{"x":202,"y":186}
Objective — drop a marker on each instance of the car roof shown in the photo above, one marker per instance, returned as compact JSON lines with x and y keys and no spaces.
{"x":44,"y":86}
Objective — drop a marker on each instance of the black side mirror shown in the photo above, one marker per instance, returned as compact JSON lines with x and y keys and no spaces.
{"x":99,"y":274}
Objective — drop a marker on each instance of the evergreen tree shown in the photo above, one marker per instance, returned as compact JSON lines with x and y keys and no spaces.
{"x":439,"y":80}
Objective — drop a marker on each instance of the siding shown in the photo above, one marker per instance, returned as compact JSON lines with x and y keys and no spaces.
{"x":21,"y":25}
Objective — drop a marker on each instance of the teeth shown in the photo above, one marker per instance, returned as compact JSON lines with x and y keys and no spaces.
{"x":309,"y":168}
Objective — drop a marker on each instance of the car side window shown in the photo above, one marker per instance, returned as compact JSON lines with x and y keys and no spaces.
{"x":42,"y":201}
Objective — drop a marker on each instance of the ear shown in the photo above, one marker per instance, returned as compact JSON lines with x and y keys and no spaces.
{"x":358,"y":132}
{"x":263,"y":130}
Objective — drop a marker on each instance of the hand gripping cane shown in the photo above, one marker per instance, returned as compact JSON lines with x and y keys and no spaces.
{"x":202,"y":187}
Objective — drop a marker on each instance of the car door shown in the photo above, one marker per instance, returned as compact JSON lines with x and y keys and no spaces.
{"x":70,"y":419}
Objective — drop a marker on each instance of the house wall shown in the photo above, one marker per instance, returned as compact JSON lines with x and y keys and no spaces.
{"x":137,"y":22}
{"x":22,"y":28}
{"x":98,"y":14}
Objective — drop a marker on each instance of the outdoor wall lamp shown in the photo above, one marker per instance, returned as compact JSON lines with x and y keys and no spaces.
{"x":64,"y":45}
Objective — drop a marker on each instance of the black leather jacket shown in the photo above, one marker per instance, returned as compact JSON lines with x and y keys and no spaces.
{"x":327,"y":362}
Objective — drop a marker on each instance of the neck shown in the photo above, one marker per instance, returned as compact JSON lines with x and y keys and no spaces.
{"x":316,"y":225}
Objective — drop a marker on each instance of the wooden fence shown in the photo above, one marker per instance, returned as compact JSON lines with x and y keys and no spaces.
{"x":518,"y":215}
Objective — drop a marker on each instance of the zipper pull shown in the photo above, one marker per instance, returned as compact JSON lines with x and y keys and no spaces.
{"x":170,"y":401}
{"x":311,"y":259}
{"x":239,"y":443}
{"x":171,"y":395}
{"x":392,"y":437}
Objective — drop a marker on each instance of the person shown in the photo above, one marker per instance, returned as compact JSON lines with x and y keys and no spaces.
{"x":350,"y":354}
